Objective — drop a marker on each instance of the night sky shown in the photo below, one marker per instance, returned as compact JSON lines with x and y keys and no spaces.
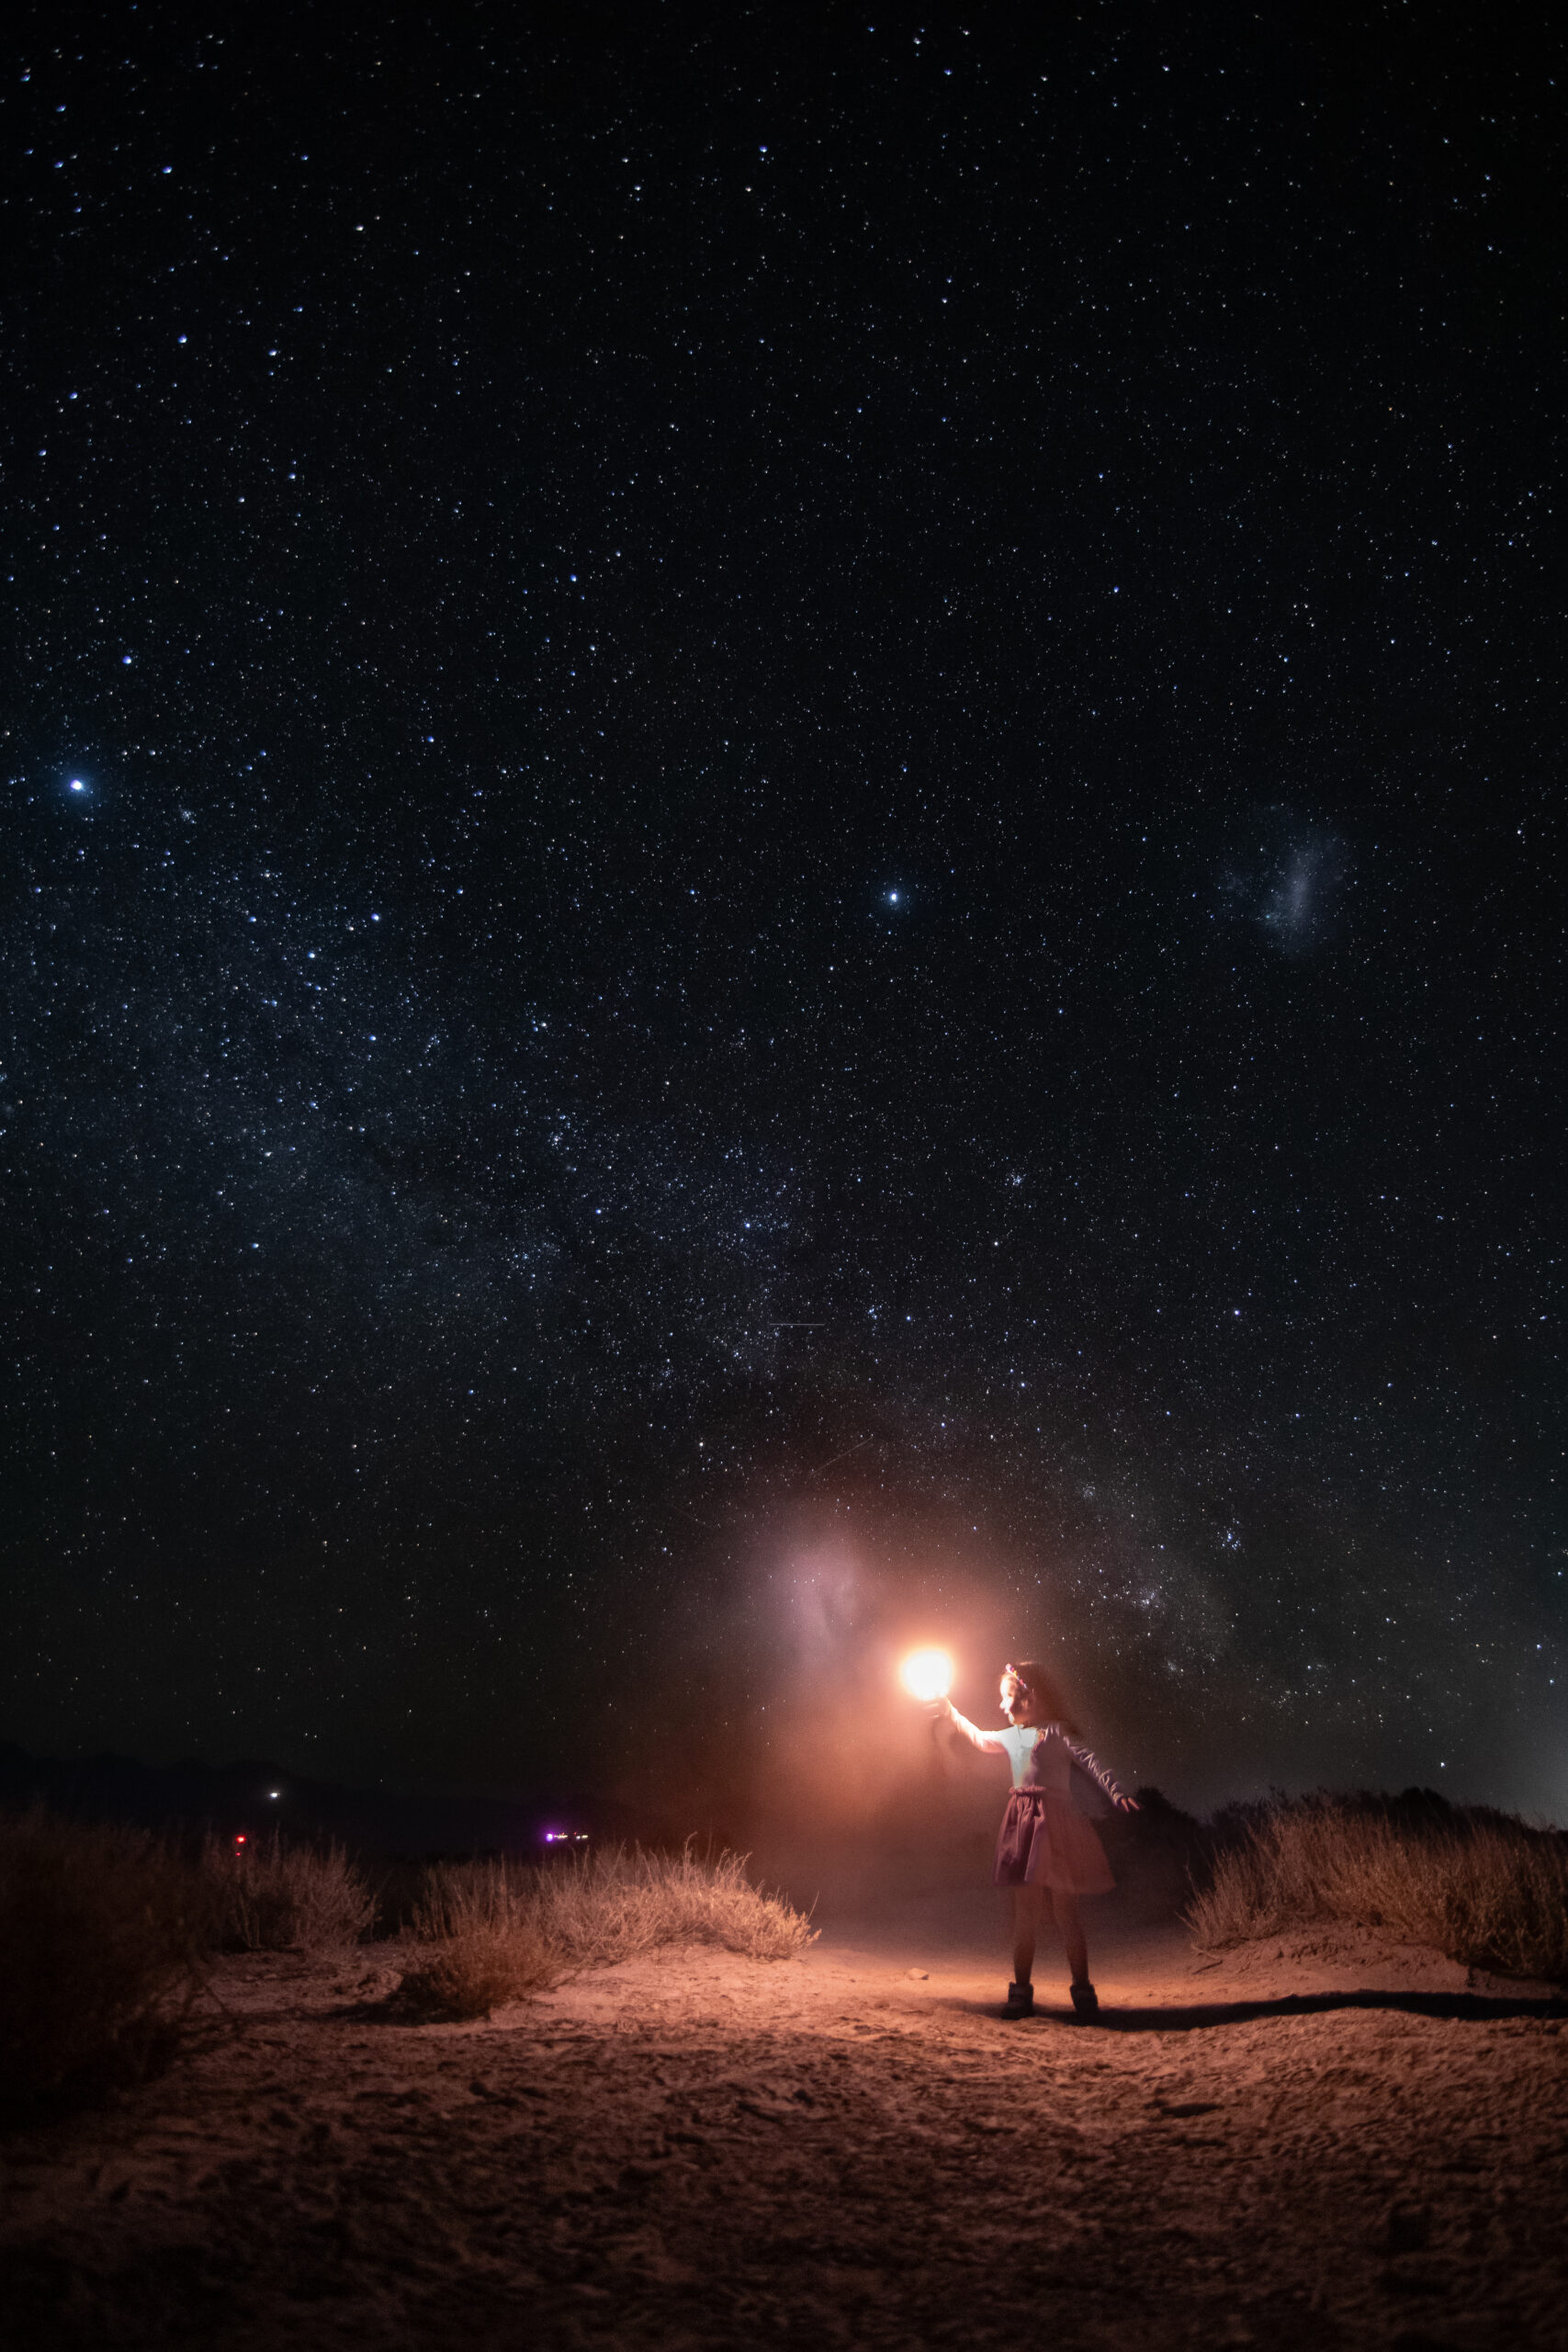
{"x":784,"y":863}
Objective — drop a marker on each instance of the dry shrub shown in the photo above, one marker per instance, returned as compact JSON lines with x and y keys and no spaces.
{"x":481,"y":1943}
{"x":490,"y":1933}
{"x":275,"y":1897}
{"x":604,"y":1908}
{"x":1483,"y":1887}
{"x":103,"y":1937}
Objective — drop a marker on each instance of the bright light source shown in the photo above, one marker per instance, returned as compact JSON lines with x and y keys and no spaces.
{"x":927,"y":1674}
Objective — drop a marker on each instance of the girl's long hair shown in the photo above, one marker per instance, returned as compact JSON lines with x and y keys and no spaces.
{"x":1050,"y":1700}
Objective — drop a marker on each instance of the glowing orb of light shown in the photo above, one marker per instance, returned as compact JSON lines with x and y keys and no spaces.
{"x":927,"y":1674}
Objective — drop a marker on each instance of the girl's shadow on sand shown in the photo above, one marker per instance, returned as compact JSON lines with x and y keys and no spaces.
{"x":1477,"y":2009}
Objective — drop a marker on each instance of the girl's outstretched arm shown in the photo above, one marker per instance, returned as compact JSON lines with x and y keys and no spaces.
{"x":986,"y":1741}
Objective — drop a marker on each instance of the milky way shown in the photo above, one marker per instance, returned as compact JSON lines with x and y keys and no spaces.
{"x":766,"y":783}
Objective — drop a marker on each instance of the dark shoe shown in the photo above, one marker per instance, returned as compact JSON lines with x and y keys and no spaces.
{"x":1086,"y":2000}
{"x":1021,"y":2000}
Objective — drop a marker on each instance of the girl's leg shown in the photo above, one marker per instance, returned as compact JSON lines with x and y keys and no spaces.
{"x":1025,"y":1927}
{"x":1065,"y":1907}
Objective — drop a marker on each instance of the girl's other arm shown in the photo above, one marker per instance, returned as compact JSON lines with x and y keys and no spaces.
{"x":1098,"y":1773}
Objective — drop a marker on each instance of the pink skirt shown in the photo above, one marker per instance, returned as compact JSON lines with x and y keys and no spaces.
{"x":1045,"y":1841}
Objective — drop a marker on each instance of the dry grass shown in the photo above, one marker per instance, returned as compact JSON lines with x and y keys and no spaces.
{"x":1481,"y":1887}
{"x":480,"y":1942}
{"x":276,"y":1897}
{"x":490,"y":1933}
{"x":103,"y":1939}
{"x":612,"y":1906}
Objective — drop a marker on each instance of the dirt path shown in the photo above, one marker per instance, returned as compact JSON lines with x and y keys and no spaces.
{"x":1324,"y":2145}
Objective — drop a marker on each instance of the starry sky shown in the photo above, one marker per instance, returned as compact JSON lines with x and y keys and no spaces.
{"x":783,"y":863}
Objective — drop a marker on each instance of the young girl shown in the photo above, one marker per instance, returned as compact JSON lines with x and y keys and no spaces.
{"x":1046,"y":1844}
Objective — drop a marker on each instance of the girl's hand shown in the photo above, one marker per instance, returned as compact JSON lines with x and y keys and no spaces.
{"x":942,"y":1711}
{"x":1128,"y":1804}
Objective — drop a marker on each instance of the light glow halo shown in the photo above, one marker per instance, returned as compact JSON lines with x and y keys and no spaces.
{"x":927,"y":1674}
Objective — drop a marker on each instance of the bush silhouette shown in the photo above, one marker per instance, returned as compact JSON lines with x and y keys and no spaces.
{"x":104,"y":1936}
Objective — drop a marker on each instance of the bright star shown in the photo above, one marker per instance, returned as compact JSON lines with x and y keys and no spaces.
{"x":893,"y":898}
{"x":77,"y":784}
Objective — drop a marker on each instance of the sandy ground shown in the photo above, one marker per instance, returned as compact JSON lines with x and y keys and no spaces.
{"x":1314,"y":2142}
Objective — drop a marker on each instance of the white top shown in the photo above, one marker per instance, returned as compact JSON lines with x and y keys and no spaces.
{"x":1042,"y":1756}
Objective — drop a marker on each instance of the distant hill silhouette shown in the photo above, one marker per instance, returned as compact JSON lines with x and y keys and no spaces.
{"x":229,"y":1798}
